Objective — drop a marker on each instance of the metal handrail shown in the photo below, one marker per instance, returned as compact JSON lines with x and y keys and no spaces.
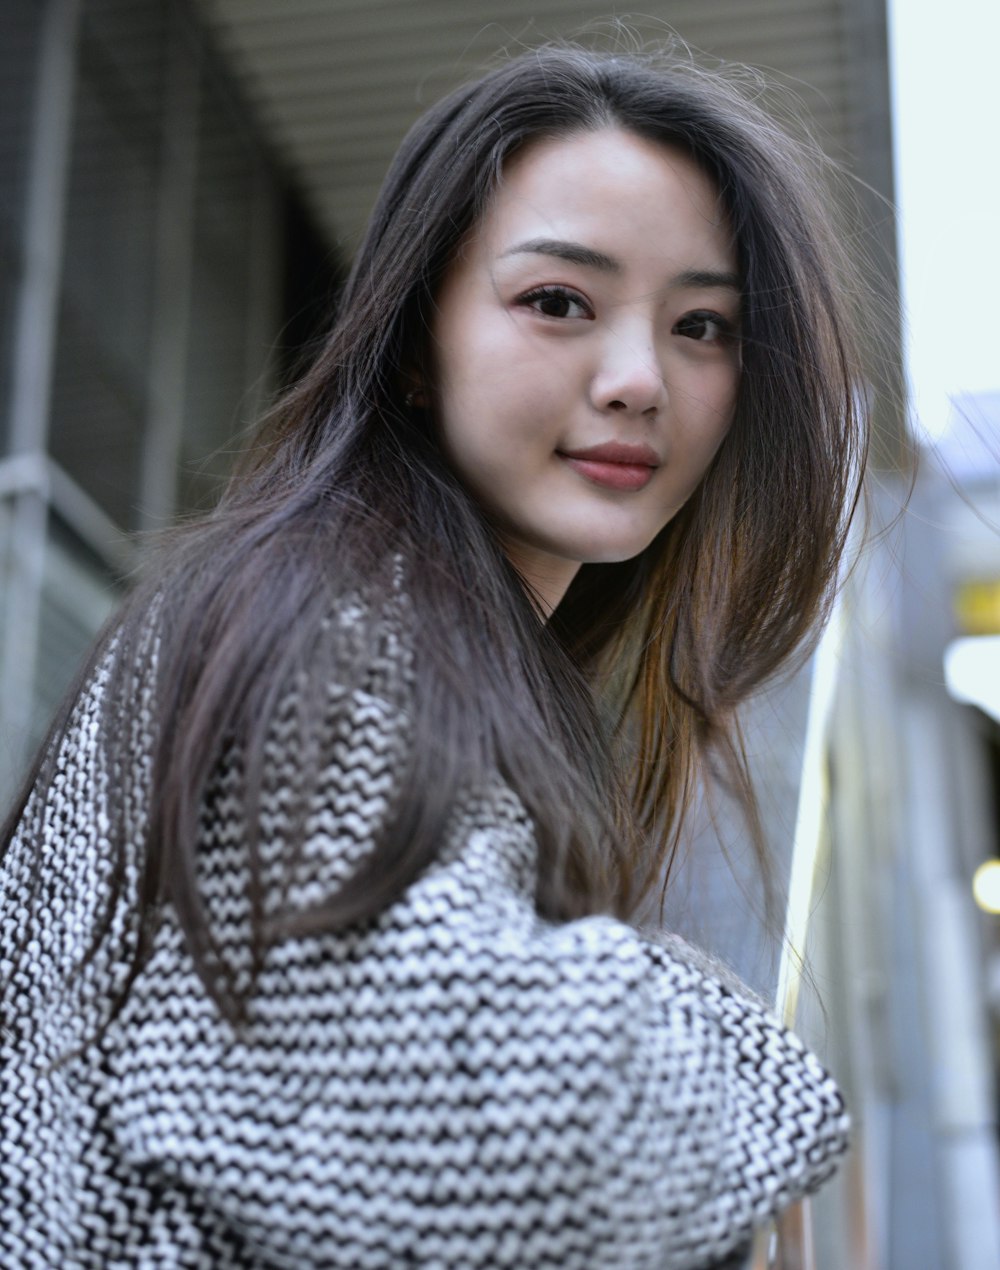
{"x":34,"y":472}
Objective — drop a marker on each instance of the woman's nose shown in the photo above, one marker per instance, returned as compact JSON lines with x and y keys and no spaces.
{"x":629,"y":379}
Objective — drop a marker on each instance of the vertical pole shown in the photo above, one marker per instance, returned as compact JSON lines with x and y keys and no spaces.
{"x":172,"y":285}
{"x":34,"y":346}
{"x":262,"y":306}
{"x":962,"y":1095}
{"x":792,"y":1248}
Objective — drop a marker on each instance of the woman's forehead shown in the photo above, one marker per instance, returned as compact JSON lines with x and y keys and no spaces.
{"x":608,"y":191}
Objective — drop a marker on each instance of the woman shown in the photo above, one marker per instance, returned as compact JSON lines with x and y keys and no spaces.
{"x":315,"y":913}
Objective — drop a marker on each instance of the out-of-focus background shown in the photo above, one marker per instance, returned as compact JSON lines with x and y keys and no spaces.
{"x":182,"y":183}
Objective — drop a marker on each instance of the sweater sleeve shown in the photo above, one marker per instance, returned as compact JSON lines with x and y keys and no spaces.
{"x":455,"y":1084}
{"x":461,"y":1084}
{"x":721,"y":1117}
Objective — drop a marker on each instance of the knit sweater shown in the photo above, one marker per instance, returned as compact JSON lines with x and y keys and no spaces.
{"x":457,"y":1083}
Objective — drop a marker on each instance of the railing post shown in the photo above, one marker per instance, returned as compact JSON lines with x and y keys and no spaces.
{"x":36,"y":322}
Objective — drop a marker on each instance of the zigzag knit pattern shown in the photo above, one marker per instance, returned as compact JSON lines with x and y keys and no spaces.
{"x":458,"y":1084}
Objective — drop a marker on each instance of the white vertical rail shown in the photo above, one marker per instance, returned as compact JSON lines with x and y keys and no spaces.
{"x":791,"y":1243}
{"x":34,"y":344}
{"x":813,"y":805}
{"x":45,"y":213}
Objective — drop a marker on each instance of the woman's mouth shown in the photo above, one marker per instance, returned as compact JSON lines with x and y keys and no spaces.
{"x":615,"y":465}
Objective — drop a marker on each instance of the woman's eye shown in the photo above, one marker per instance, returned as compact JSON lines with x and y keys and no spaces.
{"x":707,"y":327}
{"x":556,"y":302}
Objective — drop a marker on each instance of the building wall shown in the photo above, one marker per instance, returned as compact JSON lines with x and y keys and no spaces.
{"x":143,"y":229}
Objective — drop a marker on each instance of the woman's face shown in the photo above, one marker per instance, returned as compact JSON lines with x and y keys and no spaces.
{"x":585,"y":350}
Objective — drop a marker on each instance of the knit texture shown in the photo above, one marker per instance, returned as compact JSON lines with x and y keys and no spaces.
{"x":456,"y":1084}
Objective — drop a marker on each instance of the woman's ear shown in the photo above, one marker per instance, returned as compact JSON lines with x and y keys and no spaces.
{"x":416,"y":397}
{"x":415,"y":389}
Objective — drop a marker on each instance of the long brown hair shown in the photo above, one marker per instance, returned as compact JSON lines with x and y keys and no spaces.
{"x":600,"y":720}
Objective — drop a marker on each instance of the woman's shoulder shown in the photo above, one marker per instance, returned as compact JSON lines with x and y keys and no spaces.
{"x":487,"y":1066}
{"x":60,"y":869}
{"x":493,"y":1070}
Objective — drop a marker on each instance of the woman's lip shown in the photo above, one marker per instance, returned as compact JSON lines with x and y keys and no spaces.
{"x":616,"y":452}
{"x":615,"y":464}
{"x":622,"y":476}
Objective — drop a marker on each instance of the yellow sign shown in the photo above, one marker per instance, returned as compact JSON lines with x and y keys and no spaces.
{"x":977,"y":607}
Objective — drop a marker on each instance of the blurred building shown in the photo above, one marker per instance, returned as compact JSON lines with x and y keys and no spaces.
{"x":155,"y":261}
{"x":181,"y":183}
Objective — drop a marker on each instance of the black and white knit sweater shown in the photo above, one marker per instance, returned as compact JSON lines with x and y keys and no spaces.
{"x":459,"y":1084}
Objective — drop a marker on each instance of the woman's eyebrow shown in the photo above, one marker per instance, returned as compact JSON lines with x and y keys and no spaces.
{"x":590,"y":257}
{"x":575,"y":253}
{"x":708,"y":278}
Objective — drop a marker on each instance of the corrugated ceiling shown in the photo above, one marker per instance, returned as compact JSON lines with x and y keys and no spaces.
{"x":338,"y":82}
